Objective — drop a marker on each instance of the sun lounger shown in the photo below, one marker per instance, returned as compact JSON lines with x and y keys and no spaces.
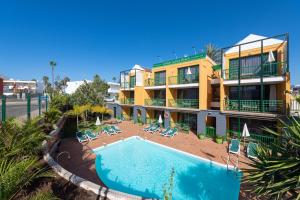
{"x":172,"y":132}
{"x":251,"y":150}
{"x":149,"y":127}
{"x":81,"y":137}
{"x":153,"y":129}
{"x":234,"y":146}
{"x":108,"y":131}
{"x":164,"y":132}
{"x":116,"y":129}
{"x":90,"y":135}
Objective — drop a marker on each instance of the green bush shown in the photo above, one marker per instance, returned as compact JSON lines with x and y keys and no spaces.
{"x":52,"y":115}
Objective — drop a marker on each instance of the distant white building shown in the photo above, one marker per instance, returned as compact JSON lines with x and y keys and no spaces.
{"x":113,"y":91}
{"x":12,"y":87}
{"x":73,"y":85}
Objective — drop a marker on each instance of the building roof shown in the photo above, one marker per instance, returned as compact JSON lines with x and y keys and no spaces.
{"x":253,"y":45}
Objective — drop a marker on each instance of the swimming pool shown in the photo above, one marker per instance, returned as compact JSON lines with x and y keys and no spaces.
{"x":140,"y":167}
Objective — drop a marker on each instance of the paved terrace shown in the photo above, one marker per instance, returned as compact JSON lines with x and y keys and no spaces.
{"x":82,"y":162}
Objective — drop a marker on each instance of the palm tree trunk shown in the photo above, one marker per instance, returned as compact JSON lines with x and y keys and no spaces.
{"x":52,"y":76}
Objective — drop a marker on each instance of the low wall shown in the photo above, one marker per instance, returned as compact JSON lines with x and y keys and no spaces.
{"x":73,"y":178}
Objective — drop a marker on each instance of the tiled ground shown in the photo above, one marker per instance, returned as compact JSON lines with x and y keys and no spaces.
{"x":82,"y":159}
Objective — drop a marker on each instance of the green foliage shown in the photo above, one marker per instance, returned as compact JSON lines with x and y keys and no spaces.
{"x":213,"y":52}
{"x":168,"y":188}
{"x":42,"y":195}
{"x":20,"y":146}
{"x":52,"y":115}
{"x":60,"y":101}
{"x":276,"y":172}
{"x":90,"y":93}
{"x":18,"y":173}
{"x":16,"y":140}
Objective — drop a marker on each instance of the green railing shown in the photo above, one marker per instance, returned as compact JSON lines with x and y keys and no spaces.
{"x":154,"y":82}
{"x":155,"y":102}
{"x":274,"y":106}
{"x":127,"y":101}
{"x":186,"y":79}
{"x":268,"y":69}
{"x":182,"y":126}
{"x":210,"y":131}
{"x":263,"y":138}
{"x":151,"y":120}
{"x":184,"y":103}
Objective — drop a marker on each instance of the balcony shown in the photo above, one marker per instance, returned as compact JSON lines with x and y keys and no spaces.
{"x":129,"y":101}
{"x":186,"y":79}
{"x":268,"y":106}
{"x":127,"y":85}
{"x":155,"y":102}
{"x":150,"y":82}
{"x":249,"y":72}
{"x":260,"y":137}
{"x":184,"y":103}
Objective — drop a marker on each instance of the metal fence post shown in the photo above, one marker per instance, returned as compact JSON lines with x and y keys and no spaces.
{"x":28,"y":106}
{"x":3,"y":108}
{"x":40,"y":104}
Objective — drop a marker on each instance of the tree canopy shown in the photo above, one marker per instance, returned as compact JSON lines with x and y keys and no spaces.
{"x":90,"y":93}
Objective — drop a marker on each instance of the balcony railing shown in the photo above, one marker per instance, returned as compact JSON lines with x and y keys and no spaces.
{"x":184,"y":103}
{"x":154,"y":82}
{"x":273,"y":106}
{"x":269,"y":69}
{"x":263,"y":138}
{"x":127,"y":101}
{"x":186,"y":79}
{"x":155,"y":102}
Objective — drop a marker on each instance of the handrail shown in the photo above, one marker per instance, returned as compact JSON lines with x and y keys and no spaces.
{"x":272,"y":106}
{"x":154,"y":82}
{"x":155,"y":102}
{"x":184,"y":103}
{"x":127,"y":101}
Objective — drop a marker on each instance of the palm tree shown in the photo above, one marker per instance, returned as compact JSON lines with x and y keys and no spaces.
{"x":77,"y":110}
{"x":19,"y":164}
{"x":53,"y":65}
{"x":213,"y":52}
{"x":46,"y":82}
{"x":100,"y":109}
{"x":276,"y":172}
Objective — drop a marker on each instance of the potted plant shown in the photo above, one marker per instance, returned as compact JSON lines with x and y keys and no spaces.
{"x":201,"y":136}
{"x":219,"y":139}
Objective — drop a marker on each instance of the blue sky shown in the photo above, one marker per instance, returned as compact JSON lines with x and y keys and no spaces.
{"x":105,"y":37}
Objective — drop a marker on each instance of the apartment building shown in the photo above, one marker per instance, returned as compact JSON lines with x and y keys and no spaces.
{"x":195,"y":93}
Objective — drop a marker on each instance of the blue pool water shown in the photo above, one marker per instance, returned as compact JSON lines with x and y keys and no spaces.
{"x":139,"y":167}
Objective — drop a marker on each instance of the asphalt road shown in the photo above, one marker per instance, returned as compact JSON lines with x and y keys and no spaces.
{"x":18,"y":109}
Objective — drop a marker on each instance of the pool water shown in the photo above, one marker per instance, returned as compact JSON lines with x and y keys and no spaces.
{"x":140,"y":167}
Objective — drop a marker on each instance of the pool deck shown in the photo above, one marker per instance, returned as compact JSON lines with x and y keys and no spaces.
{"x":82,"y":162}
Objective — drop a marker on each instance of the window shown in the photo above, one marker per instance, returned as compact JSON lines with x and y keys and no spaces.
{"x":184,"y":78}
{"x":248,"y":92}
{"x":160,"y":78}
{"x":251,"y":66}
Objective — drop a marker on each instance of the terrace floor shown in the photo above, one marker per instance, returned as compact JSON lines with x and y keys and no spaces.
{"x":82,"y":162}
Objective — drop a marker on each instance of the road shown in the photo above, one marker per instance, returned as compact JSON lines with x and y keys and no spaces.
{"x":18,"y":108}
